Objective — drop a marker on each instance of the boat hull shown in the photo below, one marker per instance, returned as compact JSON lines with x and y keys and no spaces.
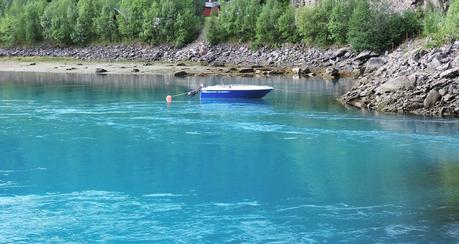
{"x":234,"y":94}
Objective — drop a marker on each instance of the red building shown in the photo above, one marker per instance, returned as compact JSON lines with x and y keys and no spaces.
{"x":210,"y":7}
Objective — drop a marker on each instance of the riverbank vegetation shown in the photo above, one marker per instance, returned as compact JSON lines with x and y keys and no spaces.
{"x":360,"y":23}
{"x":72,"y":22}
{"x":363,"y":24}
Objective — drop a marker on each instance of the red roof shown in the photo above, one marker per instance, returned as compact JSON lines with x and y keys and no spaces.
{"x":208,"y":11}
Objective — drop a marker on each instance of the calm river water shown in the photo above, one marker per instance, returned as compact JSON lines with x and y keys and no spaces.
{"x":103,"y":158}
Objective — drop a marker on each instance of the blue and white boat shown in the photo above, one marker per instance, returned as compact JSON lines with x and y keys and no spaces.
{"x":235,"y":91}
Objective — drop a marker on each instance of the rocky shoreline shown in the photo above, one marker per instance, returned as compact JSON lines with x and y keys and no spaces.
{"x":410,"y":79}
{"x":239,"y":55}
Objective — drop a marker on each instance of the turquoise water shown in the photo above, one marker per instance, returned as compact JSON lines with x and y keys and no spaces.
{"x":89,"y":158}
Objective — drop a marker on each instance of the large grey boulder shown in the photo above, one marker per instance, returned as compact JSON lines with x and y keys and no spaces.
{"x":340,"y":52}
{"x":456,"y":61}
{"x":431,"y":98}
{"x":365,"y":55}
{"x":374,"y":64}
{"x":434,"y":64}
{"x":450,"y":74}
{"x":399,"y":83}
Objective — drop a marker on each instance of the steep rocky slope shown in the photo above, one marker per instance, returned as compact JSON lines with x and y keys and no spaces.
{"x":411,"y":79}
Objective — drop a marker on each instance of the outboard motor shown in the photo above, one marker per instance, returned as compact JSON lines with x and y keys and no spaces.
{"x":193,"y":93}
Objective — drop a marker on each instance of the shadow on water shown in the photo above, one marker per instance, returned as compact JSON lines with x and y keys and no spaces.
{"x":235,"y":101}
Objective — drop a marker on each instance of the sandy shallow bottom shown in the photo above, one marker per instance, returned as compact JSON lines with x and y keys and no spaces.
{"x":85,"y":67}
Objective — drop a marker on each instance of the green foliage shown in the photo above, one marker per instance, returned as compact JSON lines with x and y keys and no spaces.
{"x":188,"y":25}
{"x":432,"y":22}
{"x":363,"y":28}
{"x":402,"y":26}
{"x":3,"y":7}
{"x":31,"y":19}
{"x":152,"y":23}
{"x":286,"y":25}
{"x":20,"y":23}
{"x":276,"y":24}
{"x":58,"y":21}
{"x":313,"y":23}
{"x":338,"y":25}
{"x":172,"y":22}
{"x":375,"y":28}
{"x":214,"y":33}
{"x":105,"y":24}
{"x":84,"y":31}
{"x":450,"y":29}
{"x":132,"y":18}
{"x":12,"y":29}
{"x":267,"y":23}
{"x":364,"y":24}
{"x":238,"y":19}
{"x":7,"y":33}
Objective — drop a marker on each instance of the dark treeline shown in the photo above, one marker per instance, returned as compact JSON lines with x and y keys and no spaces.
{"x":363,"y":24}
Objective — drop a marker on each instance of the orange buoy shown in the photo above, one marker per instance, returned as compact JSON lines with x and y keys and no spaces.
{"x":169,"y":99}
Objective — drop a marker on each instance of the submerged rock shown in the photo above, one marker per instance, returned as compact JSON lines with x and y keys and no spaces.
{"x":181,"y":74}
{"x":101,"y":71}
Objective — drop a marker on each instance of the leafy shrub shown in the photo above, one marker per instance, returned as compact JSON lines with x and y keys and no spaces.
{"x":2,"y":8}
{"x":132,"y":18}
{"x":267,"y":23}
{"x":31,"y":20}
{"x":173,"y":22}
{"x":7,"y":33}
{"x":313,"y":23}
{"x":373,"y":27}
{"x":402,"y":26}
{"x":83,"y":31}
{"x":214,"y":32}
{"x":450,"y":29}
{"x":106,"y":23}
{"x":432,"y":22}
{"x":238,"y":19}
{"x":58,"y":21}
{"x":286,"y":25}
{"x":369,"y":28}
{"x":338,"y":25}
{"x":152,"y":24}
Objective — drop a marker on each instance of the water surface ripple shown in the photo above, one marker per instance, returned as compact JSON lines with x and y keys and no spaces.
{"x":89,"y":158}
